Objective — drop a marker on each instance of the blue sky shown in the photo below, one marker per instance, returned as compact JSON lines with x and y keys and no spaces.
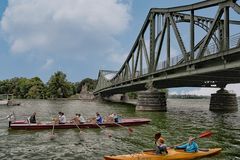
{"x":78,"y":37}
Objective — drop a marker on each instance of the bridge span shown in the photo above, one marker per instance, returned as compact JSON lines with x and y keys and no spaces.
{"x":209,"y":55}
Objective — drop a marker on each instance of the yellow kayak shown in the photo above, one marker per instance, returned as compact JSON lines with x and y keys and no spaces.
{"x":172,"y":155}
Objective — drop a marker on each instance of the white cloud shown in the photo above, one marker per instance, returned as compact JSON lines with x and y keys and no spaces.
{"x":64,"y":26}
{"x":118,"y":58}
{"x":48,"y":63}
{"x":200,"y":91}
{"x":232,"y":88}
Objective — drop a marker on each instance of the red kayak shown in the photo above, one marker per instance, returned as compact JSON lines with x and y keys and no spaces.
{"x":23,"y":125}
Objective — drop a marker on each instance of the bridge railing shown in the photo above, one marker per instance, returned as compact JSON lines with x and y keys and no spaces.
{"x":211,"y":49}
{"x":235,"y":40}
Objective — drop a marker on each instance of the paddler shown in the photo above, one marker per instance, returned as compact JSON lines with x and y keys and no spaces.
{"x":62,"y":119}
{"x":191,"y":146}
{"x":99,"y":119}
{"x":32,"y":118}
{"x":161,"y":147}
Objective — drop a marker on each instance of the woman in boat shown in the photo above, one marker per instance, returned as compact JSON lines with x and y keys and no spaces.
{"x":116,"y":118}
{"x":161,"y":147}
{"x":109,"y":117}
{"x":32,"y":118}
{"x":99,"y":119}
{"x":191,"y":146}
{"x":81,"y":119}
{"x":62,"y":119}
{"x":76,"y":119}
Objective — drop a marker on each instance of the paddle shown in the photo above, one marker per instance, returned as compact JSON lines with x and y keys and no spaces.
{"x":130,"y":130}
{"x":204,"y":134}
{"x":109,"y":135}
{"x":8,"y":116}
{"x":77,"y":127}
{"x":52,"y":136}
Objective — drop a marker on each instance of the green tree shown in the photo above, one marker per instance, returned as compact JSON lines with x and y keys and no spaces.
{"x":91,"y":84}
{"x":23,"y":87}
{"x":58,"y":86}
{"x":37,"y":89}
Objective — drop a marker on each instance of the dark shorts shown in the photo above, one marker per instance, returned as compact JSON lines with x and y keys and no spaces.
{"x":161,"y":150}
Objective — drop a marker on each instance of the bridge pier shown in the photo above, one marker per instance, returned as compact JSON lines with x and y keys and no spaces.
{"x":223,"y":101}
{"x":151,"y":100}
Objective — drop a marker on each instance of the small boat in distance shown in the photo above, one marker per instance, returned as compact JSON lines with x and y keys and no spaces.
{"x":24,"y":125}
{"x":7,"y":100}
{"x":172,"y":154}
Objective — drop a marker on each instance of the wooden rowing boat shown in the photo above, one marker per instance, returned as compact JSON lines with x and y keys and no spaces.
{"x":23,"y":125}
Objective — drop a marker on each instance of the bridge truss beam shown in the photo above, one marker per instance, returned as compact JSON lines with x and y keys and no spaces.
{"x":151,"y":63}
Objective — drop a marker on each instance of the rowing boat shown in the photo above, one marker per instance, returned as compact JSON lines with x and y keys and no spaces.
{"x":23,"y":125}
{"x":172,"y":155}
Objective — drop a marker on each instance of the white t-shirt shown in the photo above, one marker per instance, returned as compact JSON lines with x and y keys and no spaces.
{"x":82,"y":119}
{"x":63,"y":119}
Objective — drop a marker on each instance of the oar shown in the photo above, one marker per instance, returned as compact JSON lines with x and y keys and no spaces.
{"x":8,"y":116}
{"x":52,"y":137}
{"x":109,"y":135}
{"x":130,"y":130}
{"x":77,"y":127}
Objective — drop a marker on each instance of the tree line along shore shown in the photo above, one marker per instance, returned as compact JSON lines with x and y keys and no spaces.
{"x":34,"y":88}
{"x":59,"y":87}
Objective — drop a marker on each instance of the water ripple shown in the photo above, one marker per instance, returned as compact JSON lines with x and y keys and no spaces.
{"x":184,"y":118}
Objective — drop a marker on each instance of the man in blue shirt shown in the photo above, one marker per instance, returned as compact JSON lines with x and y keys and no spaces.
{"x":99,"y":118}
{"x":191,"y":146}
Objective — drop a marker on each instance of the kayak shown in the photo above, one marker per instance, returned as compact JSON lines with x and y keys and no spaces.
{"x":173,"y":154}
{"x":23,"y":125}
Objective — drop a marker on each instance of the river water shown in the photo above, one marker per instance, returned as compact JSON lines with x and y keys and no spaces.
{"x":185,"y":117}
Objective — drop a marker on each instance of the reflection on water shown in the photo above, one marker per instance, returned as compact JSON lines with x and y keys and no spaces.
{"x":183,"y":118}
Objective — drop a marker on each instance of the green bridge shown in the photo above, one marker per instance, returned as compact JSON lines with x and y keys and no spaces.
{"x":211,"y":59}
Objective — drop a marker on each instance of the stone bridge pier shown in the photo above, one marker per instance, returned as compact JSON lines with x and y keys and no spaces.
{"x":222,"y":100}
{"x":151,"y":100}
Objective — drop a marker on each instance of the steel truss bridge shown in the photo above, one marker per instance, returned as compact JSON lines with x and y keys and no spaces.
{"x":209,"y":55}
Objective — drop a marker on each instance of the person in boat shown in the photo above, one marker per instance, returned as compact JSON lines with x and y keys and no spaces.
{"x":56,"y":119}
{"x":191,"y":146}
{"x":109,"y":117}
{"x":112,"y":118}
{"x":81,"y":119}
{"x":11,"y":118}
{"x":161,"y":147}
{"x":76,"y":119}
{"x":32,"y":118}
{"x":99,"y":119}
{"x":116,"y":118}
{"x":59,"y":115}
{"x":62,"y":119}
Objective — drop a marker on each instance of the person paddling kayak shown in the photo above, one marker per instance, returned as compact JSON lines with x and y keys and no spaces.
{"x":190,"y":147}
{"x":161,"y":148}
